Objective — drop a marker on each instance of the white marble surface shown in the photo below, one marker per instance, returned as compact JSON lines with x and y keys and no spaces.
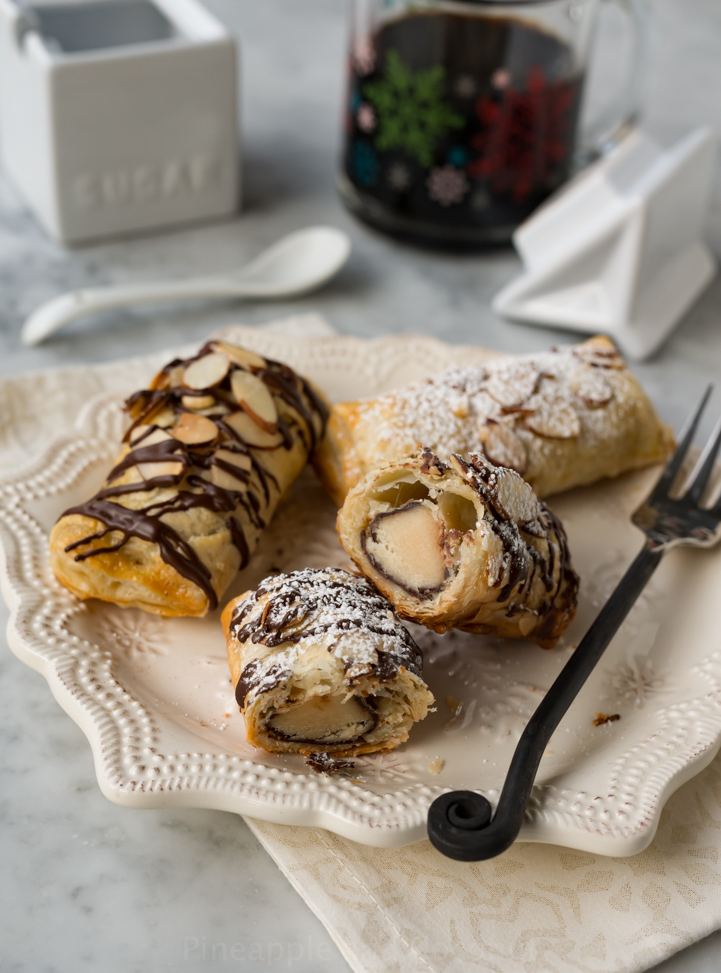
{"x":86,"y":885}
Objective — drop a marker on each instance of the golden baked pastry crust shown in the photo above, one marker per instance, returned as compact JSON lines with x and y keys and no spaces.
{"x":462,"y":544}
{"x":562,"y":419}
{"x":322,"y":649}
{"x":215,"y":443}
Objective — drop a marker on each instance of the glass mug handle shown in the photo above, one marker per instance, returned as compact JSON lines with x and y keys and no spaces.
{"x":605,"y":134}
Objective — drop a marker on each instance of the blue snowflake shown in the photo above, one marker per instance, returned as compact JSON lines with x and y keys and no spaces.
{"x":355,"y":101}
{"x":364,"y":164}
{"x":458,"y":156}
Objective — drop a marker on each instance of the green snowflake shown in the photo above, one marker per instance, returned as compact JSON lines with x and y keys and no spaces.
{"x":411,"y":112}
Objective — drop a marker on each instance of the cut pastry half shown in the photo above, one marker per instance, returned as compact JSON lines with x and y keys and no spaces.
{"x":321,"y":663}
{"x":461,"y":544}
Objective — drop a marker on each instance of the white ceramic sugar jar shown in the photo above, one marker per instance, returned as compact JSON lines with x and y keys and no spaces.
{"x":118,"y":116}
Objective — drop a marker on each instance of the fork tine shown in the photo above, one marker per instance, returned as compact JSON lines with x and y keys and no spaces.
{"x":685,"y":439}
{"x":705,"y":466}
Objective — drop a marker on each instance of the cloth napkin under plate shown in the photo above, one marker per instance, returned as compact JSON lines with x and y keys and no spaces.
{"x":410,"y":910}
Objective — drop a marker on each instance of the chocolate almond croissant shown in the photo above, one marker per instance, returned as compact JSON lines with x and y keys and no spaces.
{"x":214,"y":444}
{"x":562,"y":418}
{"x":321,"y":663}
{"x":462,"y":544}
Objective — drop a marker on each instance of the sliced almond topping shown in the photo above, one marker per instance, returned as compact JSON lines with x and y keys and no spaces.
{"x":136,"y":433}
{"x":251,"y":433}
{"x":195,"y":430}
{"x":175,"y":377}
{"x":206,"y":372}
{"x":601,"y":352}
{"x":512,"y":497}
{"x":198,"y":402}
{"x":253,"y":395}
{"x":241,"y":356}
{"x":164,"y":418}
{"x":149,"y":471}
{"x":591,"y":387}
{"x":152,"y":439}
{"x":554,"y":418}
{"x":218,"y":409}
{"x":171,"y":379}
{"x":503,"y":447}
{"x":512,"y":383}
{"x":460,"y":405}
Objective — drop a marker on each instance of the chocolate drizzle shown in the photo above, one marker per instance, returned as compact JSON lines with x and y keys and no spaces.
{"x":523,"y":559}
{"x":256,"y":676}
{"x":328,"y":604}
{"x":301,"y":419}
{"x":136,"y":523}
{"x":530,"y":568}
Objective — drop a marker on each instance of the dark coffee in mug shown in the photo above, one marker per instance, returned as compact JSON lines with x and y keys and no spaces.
{"x":458,"y":126}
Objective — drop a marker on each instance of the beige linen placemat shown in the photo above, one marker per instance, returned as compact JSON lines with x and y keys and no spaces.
{"x":410,"y":910}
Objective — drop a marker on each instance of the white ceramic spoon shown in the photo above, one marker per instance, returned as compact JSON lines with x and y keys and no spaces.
{"x":297,"y":264}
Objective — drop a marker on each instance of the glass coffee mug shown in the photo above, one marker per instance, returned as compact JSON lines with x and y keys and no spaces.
{"x":462,"y":117}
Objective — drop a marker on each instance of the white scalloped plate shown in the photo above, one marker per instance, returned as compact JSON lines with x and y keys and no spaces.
{"x":155,"y":700}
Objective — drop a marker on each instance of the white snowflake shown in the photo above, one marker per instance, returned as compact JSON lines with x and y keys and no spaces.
{"x":132,"y":633}
{"x":501,"y":78}
{"x":364,"y":55}
{"x":387,"y":766}
{"x":636,"y":680}
{"x":366,"y":118}
{"x":465,"y":86}
{"x":447,"y":185}
{"x":399,"y":177}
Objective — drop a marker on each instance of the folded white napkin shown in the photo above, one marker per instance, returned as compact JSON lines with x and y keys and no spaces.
{"x":410,"y":910}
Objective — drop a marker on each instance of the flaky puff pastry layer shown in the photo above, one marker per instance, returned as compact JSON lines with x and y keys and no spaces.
{"x":321,"y":664}
{"x":561,"y":419}
{"x":215,"y":443}
{"x":462,"y":544}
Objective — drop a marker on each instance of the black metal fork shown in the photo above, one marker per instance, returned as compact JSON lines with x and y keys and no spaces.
{"x":461,"y":824}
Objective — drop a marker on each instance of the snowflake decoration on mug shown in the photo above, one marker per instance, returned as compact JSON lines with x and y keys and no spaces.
{"x":364,"y":55}
{"x":366,"y":118}
{"x":446,"y":185}
{"x":399,"y":177}
{"x":501,"y":78}
{"x":364,"y":164}
{"x":410,"y":109}
{"x":512,"y":156}
{"x":465,"y":86}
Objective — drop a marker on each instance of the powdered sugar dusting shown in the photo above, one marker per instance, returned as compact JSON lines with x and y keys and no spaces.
{"x":331,"y":606}
{"x":505,"y":406}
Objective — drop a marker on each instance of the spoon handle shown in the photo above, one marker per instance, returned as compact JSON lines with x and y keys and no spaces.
{"x":59,"y":311}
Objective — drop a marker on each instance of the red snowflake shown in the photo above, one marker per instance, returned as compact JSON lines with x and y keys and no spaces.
{"x":525,"y":134}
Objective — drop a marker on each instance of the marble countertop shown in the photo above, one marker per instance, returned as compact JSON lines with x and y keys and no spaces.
{"x":87,"y":885}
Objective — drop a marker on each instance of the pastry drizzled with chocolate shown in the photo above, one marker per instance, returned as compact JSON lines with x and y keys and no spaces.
{"x":213,"y":445}
{"x":462,"y":544}
{"x":321,"y":664}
